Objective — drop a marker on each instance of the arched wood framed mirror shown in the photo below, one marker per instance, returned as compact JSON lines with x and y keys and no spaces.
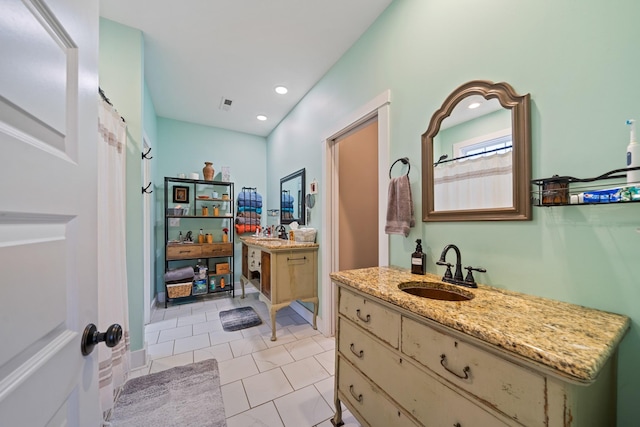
{"x":480,"y":139}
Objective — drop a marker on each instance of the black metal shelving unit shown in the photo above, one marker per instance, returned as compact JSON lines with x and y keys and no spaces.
{"x":196,"y":194}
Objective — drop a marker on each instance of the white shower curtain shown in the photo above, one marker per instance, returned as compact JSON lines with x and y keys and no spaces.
{"x":112,"y":266}
{"x":476,"y":183}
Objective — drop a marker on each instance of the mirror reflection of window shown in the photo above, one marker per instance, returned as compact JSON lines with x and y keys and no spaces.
{"x":477,"y":173}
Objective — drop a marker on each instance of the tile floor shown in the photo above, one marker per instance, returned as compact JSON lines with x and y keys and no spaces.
{"x":283,"y":383}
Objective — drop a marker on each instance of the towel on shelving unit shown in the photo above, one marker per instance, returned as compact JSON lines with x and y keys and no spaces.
{"x":287,"y":209}
{"x":249,"y":221}
{"x":250,"y":203}
{"x":287,"y":198}
{"x":245,"y":228}
{"x":179,"y":274}
{"x":249,"y":215}
{"x":249,"y":195}
{"x":249,"y":209}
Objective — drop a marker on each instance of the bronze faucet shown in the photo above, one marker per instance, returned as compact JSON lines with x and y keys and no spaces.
{"x":456,"y":278}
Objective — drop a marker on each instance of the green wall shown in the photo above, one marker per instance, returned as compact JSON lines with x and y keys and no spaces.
{"x":579,"y":62}
{"x":121,"y":77}
{"x":183,"y":148}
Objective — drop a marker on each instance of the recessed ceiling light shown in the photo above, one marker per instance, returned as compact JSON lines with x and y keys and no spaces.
{"x":261,"y":117}
{"x":474,"y":105}
{"x":281,"y":90}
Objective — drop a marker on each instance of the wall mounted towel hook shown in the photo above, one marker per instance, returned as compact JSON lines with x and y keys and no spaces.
{"x":145,"y":190}
{"x":144,"y":155}
{"x":405,"y":161}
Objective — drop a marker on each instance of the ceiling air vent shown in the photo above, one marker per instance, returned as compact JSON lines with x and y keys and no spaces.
{"x":225,"y":104}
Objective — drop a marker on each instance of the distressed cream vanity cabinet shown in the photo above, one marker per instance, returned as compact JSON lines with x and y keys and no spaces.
{"x":282,"y":271}
{"x":395,"y":366}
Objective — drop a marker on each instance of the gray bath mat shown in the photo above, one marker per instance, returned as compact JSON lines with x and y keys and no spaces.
{"x":184,"y":396}
{"x":239,"y":318}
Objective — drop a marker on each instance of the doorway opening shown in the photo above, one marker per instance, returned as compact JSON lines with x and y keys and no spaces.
{"x":375,"y":111}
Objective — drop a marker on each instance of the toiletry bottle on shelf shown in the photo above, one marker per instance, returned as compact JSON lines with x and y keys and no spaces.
{"x":418,"y":259}
{"x":201,"y":236}
{"x":633,"y":156}
{"x":180,"y":238}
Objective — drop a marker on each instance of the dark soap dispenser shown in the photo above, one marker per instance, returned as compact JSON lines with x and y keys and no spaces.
{"x":418,"y":259}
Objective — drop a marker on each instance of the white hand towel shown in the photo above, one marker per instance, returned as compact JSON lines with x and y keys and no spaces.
{"x":399,"y":207}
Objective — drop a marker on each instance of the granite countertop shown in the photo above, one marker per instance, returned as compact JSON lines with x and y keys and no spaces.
{"x":576,"y":341}
{"x":272,"y":243}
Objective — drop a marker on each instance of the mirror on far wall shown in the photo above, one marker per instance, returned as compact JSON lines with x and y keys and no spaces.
{"x":292,"y":198}
{"x":476,"y":163}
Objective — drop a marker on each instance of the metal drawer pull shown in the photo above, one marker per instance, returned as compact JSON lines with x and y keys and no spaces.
{"x":358,"y":397}
{"x":296,"y":259}
{"x":184,"y":252}
{"x":364,"y":319}
{"x":443,"y":358}
{"x":359,"y":355}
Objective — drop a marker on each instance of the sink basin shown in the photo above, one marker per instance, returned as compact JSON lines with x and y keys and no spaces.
{"x":435,"y":291}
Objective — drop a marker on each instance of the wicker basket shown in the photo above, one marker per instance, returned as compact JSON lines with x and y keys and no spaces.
{"x":179,"y":290}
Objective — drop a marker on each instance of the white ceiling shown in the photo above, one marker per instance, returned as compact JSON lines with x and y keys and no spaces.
{"x":199,"y":51}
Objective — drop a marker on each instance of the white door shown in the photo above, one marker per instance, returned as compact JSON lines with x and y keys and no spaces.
{"x":48,"y":137}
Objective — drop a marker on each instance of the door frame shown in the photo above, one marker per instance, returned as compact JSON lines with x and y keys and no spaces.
{"x":146,"y":234}
{"x":378,"y":106}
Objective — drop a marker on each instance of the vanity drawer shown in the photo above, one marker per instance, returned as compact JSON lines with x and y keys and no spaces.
{"x":514,"y":390}
{"x":366,"y":401}
{"x":375,"y":318}
{"x":419,"y":393}
{"x":253,"y":259}
{"x":183,"y":251}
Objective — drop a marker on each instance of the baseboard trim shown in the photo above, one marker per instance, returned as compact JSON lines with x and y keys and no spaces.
{"x":138,"y":358}
{"x":308,"y":316}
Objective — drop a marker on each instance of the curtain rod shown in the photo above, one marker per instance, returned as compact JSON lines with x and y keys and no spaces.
{"x":444,"y":156}
{"x":108,"y":101}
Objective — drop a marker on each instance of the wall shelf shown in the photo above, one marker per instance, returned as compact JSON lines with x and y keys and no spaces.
{"x":606,"y":189}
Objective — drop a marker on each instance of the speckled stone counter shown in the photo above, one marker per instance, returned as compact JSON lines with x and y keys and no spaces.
{"x":272,"y":243}
{"x":575,"y":341}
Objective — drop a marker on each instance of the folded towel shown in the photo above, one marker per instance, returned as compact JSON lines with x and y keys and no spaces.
{"x":249,"y":215}
{"x":242,"y":228}
{"x":249,"y":195}
{"x":249,"y":209}
{"x":286,"y":204}
{"x":399,"y":207}
{"x":250,"y":203}
{"x":179,"y":274}
{"x":287,"y":209}
{"x":251,"y":221}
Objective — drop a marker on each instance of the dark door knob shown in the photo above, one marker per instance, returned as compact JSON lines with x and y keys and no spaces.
{"x":91,"y":337}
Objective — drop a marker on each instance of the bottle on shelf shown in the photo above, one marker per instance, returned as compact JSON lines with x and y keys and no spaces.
{"x":201,"y":236}
{"x":180,"y":237}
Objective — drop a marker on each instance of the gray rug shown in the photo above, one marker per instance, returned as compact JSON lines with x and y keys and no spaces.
{"x":184,"y":396}
{"x":239,"y":318}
